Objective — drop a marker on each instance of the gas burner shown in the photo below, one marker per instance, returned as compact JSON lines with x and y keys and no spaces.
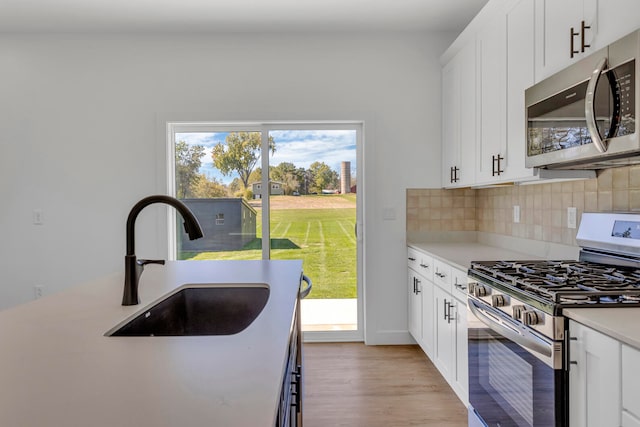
{"x":566,"y":282}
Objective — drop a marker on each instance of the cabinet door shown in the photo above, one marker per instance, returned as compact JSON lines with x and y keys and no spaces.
{"x":450,"y":122}
{"x":616,"y":18}
{"x":630,"y":387}
{"x":467,"y":111}
{"x":461,"y":379}
{"x":459,"y":118}
{"x":554,"y":34}
{"x":428,"y":317}
{"x":594,"y":378}
{"x":415,"y":306}
{"x":444,"y":337}
{"x":520,"y":76}
{"x":491,"y":94}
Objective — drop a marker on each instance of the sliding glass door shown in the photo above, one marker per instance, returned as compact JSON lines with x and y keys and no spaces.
{"x":306,"y":207}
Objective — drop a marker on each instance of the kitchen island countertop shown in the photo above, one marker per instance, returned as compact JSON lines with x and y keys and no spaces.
{"x":58,"y":369}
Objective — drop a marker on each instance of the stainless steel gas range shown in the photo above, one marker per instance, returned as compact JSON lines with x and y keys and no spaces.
{"x":518,"y":367}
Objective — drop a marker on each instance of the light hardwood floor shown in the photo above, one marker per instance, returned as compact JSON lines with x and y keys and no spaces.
{"x":350,"y":384}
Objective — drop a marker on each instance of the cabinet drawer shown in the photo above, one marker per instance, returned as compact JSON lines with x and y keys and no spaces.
{"x":630,"y":384}
{"x":421,"y":263}
{"x":459,"y":284}
{"x":442,"y":275}
{"x":413,"y":258}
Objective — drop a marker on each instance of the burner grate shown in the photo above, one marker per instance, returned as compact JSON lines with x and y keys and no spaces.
{"x":566,"y":282}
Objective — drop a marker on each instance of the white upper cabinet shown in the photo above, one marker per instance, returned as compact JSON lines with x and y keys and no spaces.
{"x":569,"y":30}
{"x":459,"y":119}
{"x":614,"y":20}
{"x":520,"y":76}
{"x":491,"y":100}
{"x":559,"y":26}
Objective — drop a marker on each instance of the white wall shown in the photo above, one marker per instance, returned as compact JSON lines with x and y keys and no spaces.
{"x":80,"y":139}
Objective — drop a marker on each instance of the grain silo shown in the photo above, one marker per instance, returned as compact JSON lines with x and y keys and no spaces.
{"x":345,"y":177}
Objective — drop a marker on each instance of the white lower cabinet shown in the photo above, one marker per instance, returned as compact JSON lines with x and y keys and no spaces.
{"x":428,"y":317}
{"x":415,"y":307}
{"x":630,"y":387}
{"x":444,"y":357}
{"x":594,"y":378}
{"x":443,"y":332}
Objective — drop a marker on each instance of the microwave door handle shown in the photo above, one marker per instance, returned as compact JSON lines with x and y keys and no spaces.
{"x":528,"y":341}
{"x":589,"y":107}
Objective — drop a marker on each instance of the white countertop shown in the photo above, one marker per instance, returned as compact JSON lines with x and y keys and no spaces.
{"x":460,"y":254}
{"x":620,"y":323}
{"x":58,"y":369}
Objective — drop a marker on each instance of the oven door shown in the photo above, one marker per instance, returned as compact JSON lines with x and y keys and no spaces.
{"x":514,"y":377}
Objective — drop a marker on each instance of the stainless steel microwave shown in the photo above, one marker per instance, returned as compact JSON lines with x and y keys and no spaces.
{"x":584,"y":117}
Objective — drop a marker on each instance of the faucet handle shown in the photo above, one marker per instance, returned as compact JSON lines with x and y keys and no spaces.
{"x":143,"y":262}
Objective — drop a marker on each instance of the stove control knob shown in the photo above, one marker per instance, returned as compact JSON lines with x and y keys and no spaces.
{"x":531,"y":318}
{"x":517,"y":311}
{"x":479,"y":291}
{"x":471,"y":287}
{"x":498,"y":300}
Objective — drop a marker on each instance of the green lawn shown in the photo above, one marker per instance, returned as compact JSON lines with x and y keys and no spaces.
{"x":323,"y":238}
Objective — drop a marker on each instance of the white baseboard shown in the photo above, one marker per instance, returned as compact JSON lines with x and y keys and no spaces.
{"x":389,"y":338}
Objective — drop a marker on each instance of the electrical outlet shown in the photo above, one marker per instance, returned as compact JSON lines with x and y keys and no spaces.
{"x":571,"y":217}
{"x":38,"y":291}
{"x":516,"y":214}
{"x":38,"y":217}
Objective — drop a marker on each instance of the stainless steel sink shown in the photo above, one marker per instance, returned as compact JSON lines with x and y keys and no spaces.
{"x":211,"y":309}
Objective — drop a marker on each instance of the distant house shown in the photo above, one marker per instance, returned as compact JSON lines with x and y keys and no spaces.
{"x":227,"y":224}
{"x":276,"y":189}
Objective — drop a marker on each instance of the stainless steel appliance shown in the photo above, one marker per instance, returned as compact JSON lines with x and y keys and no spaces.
{"x":518,"y":372}
{"x":584,"y":117}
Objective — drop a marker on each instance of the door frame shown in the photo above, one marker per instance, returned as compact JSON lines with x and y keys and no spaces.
{"x":173,"y":127}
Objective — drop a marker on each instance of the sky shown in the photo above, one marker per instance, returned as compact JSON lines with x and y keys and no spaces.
{"x":300,"y":147}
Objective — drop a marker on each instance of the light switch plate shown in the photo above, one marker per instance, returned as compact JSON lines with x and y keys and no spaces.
{"x":388,"y":214}
{"x":516,"y":214}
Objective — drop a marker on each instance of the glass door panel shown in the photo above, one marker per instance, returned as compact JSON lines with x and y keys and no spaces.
{"x":312,"y":178}
{"x":216,"y":175}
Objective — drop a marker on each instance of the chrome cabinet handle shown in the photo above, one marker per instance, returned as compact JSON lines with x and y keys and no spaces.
{"x":418,"y":286}
{"x":589,"y":107}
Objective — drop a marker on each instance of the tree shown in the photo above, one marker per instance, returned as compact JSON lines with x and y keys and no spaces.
{"x":240,"y":154}
{"x":255,"y":176}
{"x":188,"y":161}
{"x":322,"y":177}
{"x":205,"y":188}
{"x":290,"y":176}
{"x":235,"y":186}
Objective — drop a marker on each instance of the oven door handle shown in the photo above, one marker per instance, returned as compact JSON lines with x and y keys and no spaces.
{"x":519,"y":336}
{"x":589,"y":108}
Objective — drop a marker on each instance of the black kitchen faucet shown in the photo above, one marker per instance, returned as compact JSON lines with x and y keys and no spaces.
{"x":132,"y":266}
